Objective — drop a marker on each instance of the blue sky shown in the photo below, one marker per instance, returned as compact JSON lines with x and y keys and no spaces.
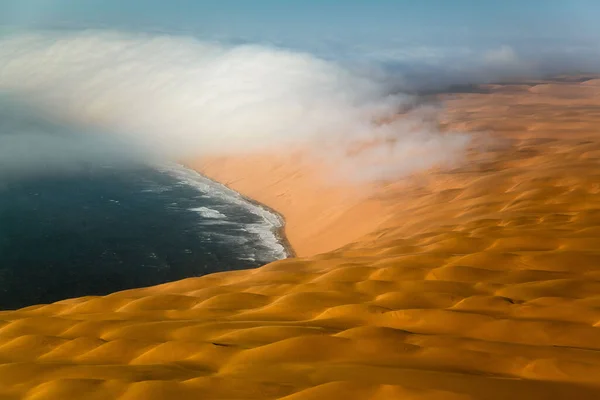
{"x":427,"y":21}
{"x":440,"y":32}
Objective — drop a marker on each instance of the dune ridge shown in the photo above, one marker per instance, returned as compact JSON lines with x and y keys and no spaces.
{"x":477,"y":282}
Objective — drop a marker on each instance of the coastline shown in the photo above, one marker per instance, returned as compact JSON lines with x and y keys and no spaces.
{"x":278,"y":231}
{"x":270,"y":222}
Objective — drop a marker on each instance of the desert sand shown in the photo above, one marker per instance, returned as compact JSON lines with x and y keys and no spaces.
{"x":481,"y":281}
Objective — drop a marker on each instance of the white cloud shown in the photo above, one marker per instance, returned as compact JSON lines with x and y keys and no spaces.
{"x":182,"y":97}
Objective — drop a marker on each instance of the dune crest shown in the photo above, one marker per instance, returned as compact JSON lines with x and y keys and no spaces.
{"x":478,"y":282}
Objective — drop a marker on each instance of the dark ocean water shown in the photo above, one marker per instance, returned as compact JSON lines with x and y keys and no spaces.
{"x":77,"y":220}
{"x":113,"y":228}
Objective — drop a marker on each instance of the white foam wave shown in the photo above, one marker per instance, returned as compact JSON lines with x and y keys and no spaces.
{"x":208,"y":212}
{"x":265,"y":229}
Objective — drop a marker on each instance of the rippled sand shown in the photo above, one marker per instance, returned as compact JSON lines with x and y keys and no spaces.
{"x":480,"y":282}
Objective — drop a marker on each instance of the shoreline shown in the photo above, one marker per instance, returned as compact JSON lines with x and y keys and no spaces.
{"x":279,"y":231}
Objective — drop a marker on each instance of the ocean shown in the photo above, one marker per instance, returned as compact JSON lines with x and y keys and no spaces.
{"x":94,"y":223}
{"x":109,"y":229}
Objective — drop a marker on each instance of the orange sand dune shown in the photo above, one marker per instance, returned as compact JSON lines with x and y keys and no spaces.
{"x":479,"y":282}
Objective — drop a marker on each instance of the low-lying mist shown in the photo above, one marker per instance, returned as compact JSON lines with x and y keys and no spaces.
{"x":32,"y":144}
{"x":126,"y":95}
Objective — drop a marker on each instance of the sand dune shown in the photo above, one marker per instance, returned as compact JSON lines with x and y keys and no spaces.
{"x":479,"y":282}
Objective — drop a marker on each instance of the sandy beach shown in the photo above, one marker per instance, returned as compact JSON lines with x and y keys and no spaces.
{"x":478,"y":281}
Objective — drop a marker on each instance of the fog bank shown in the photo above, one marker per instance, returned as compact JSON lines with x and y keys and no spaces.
{"x":180,"y":97}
